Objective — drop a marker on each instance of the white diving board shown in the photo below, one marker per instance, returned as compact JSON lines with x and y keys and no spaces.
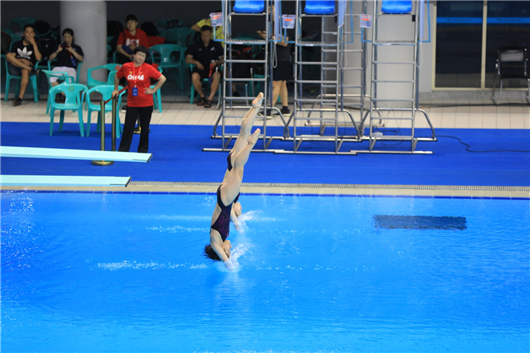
{"x":59,"y":153}
{"x":62,"y":180}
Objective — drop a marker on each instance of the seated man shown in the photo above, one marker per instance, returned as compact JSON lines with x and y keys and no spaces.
{"x":129,"y":39}
{"x":22,"y":58}
{"x":207,"y":55}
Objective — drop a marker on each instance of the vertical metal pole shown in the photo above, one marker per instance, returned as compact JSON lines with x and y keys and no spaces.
{"x":102,"y":123}
{"x":114,"y":104}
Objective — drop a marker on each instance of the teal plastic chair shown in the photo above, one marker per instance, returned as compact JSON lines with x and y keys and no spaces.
{"x":206,"y":80}
{"x":17,"y":24}
{"x":168,"y":56}
{"x":61,"y":74}
{"x":74,"y":93}
{"x":183,"y":37}
{"x":32,"y":83}
{"x":51,"y":65}
{"x":14,"y":37}
{"x":157,"y":99}
{"x":106,"y":93}
{"x":92,"y":82}
{"x":164,"y":25}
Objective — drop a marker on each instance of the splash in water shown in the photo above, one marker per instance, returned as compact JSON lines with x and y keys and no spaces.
{"x":242,"y":226}
{"x":233,"y":264}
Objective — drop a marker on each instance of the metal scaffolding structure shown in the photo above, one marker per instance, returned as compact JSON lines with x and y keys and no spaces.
{"x":391,"y":77}
{"x":328,"y":106}
{"x":330,"y":74}
{"x":233,"y":107}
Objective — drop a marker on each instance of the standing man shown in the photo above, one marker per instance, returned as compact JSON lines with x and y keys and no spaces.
{"x":21,"y":60}
{"x":129,"y":39}
{"x":139,"y":97}
{"x":207,"y":55}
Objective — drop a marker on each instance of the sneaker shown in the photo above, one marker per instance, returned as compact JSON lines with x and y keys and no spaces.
{"x":124,"y":107}
{"x":17,"y":101}
{"x":266,"y":113}
{"x":285,"y":111}
{"x":34,"y":72}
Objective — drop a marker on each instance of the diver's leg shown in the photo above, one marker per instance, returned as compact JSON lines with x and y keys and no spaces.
{"x":232,"y":184}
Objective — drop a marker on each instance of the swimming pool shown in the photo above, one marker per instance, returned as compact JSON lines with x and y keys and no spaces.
{"x":105,"y":272}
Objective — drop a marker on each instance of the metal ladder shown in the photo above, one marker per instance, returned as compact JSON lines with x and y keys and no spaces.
{"x":385,"y":73}
{"x":352,"y":43}
{"x":327,"y":103}
{"x":232,"y":105}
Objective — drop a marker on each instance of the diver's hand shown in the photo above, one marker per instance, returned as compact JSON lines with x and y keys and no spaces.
{"x":230,"y":265}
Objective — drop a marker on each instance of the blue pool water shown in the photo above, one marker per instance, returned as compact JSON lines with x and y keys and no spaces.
{"x":124,"y":273}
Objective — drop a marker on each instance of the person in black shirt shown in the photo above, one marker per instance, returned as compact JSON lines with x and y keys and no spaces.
{"x":68,"y":55}
{"x":22,"y":59}
{"x":207,"y":55}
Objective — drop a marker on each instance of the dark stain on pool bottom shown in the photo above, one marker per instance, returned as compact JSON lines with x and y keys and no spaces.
{"x":420,"y":222}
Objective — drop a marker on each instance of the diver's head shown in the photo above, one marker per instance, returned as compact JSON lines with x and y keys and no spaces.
{"x":210,"y":253}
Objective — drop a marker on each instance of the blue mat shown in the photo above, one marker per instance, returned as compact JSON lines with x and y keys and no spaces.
{"x":178,"y":156}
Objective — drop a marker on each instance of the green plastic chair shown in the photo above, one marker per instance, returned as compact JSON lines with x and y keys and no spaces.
{"x":61,"y":74}
{"x":14,"y":37}
{"x":157,"y":99}
{"x":106,"y":93}
{"x":92,"y":82}
{"x":183,"y":37}
{"x":17,"y":24}
{"x":32,"y":82}
{"x":74,"y":93}
{"x":162,"y":26}
{"x":206,"y":80}
{"x":167,"y":59}
{"x":51,"y":65}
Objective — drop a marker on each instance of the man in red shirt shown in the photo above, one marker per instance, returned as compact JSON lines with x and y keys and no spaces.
{"x":139,"y":97}
{"x":129,"y":39}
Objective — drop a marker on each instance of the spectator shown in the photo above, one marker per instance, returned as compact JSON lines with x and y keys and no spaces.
{"x":281,"y":72}
{"x":129,"y":39}
{"x":22,"y":59}
{"x":207,"y":55}
{"x":139,"y":97}
{"x":68,"y":56}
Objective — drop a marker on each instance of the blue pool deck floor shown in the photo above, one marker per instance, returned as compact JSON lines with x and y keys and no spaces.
{"x":181,"y":131}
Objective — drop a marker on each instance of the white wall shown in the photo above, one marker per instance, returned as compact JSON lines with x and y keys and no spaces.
{"x":392,"y":28}
{"x":89,"y":18}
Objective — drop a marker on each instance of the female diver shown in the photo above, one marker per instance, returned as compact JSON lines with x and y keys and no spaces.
{"x":227,"y":206}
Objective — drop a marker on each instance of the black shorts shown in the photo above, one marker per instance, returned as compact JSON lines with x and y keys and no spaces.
{"x":282,"y":71}
{"x":14,"y":70}
{"x":202,"y":73}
